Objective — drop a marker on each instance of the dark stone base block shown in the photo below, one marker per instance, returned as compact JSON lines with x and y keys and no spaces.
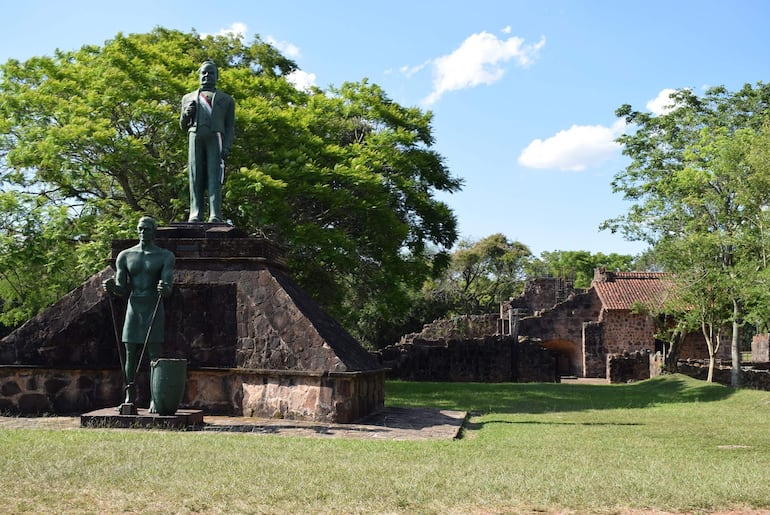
{"x":109,"y":417}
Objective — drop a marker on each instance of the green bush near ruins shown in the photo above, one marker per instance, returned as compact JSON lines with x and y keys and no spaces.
{"x":671,"y":443}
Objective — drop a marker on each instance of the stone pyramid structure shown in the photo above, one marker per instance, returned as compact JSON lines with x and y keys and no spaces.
{"x":256,"y":343}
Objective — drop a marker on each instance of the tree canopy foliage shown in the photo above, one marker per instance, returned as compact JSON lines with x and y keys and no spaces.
{"x":699,"y":181}
{"x":579,"y":265}
{"x":345,"y":178}
{"x":480,"y":275}
{"x":485,"y":272}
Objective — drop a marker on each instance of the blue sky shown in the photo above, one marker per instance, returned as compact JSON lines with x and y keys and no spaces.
{"x":523,"y":92}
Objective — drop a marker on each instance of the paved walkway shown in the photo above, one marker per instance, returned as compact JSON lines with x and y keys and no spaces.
{"x":388,"y":424}
{"x":583,"y":380}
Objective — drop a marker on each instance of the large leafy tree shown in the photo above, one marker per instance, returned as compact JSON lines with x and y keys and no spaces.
{"x":481,"y":274}
{"x":579,"y":265}
{"x":344,"y":178}
{"x":699,"y":199}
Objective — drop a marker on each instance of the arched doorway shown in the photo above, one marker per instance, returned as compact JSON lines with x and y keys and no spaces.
{"x":569,"y":359}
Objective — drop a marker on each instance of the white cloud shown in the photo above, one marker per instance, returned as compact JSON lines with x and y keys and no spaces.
{"x":303,"y":81}
{"x":662,"y":104}
{"x":480,"y":59}
{"x":237,"y":29}
{"x":290,"y":50}
{"x":412,"y":70}
{"x":506,"y":30}
{"x":574,"y":149}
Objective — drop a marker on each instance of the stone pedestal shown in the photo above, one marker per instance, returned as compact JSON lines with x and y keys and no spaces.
{"x":255,"y":342}
{"x":109,"y":417}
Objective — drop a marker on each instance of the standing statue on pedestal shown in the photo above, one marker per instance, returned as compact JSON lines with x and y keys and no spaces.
{"x":208,"y":115}
{"x":146,"y":272}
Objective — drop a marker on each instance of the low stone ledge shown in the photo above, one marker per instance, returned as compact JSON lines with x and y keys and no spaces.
{"x":340,"y":397}
{"x":304,"y":395}
{"x":107,"y":418}
{"x":301,"y":373}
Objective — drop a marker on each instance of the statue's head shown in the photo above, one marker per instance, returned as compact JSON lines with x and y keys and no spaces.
{"x":147,"y":227}
{"x":208,"y":74}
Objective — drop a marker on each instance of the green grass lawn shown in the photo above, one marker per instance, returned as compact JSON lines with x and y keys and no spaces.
{"x":667,"y":444}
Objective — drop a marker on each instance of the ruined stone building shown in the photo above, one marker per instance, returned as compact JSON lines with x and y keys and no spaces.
{"x":585,"y":332}
{"x":589,"y":326}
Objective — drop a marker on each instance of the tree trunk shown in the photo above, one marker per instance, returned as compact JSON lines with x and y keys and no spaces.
{"x":708,"y":334}
{"x":735,"y":351}
{"x":675,"y":344}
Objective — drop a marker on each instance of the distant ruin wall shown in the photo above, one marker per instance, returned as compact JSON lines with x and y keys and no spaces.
{"x":490,"y":359}
{"x":541,"y":294}
{"x":694,"y":348}
{"x":636,"y":366}
{"x":594,"y":351}
{"x":757,"y":379}
{"x":625,"y":331}
{"x":456,"y":328}
{"x":760,"y":348}
{"x":564,"y":322}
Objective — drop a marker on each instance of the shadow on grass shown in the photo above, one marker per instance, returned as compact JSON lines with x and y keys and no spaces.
{"x":482,"y":398}
{"x":475,"y":426}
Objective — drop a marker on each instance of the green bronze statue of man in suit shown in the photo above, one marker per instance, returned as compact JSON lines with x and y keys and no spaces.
{"x":208,"y":115}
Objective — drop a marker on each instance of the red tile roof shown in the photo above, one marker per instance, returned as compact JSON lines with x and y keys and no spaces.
{"x":621,"y":290}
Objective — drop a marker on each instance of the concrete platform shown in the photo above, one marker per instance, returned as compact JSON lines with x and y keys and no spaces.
{"x":392,"y":423}
{"x":388,"y":424}
{"x":109,"y":417}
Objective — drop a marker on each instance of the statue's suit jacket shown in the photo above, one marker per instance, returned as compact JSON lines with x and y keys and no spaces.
{"x":222,"y":117}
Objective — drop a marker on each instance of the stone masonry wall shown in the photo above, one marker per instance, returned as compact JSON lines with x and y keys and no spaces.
{"x":490,"y":359}
{"x":594,"y":350}
{"x":626,"y":332}
{"x":540,"y":294}
{"x":234,"y":314}
{"x":760,"y":348}
{"x":31,"y":390}
{"x":565,"y":322}
{"x":455,"y":328}
{"x":329,"y":397}
{"x":622,"y":368}
{"x":750,"y":378}
{"x":533,"y":363}
{"x":694,"y":347}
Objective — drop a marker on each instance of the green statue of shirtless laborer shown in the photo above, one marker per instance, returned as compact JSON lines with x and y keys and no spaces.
{"x":145,"y":272}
